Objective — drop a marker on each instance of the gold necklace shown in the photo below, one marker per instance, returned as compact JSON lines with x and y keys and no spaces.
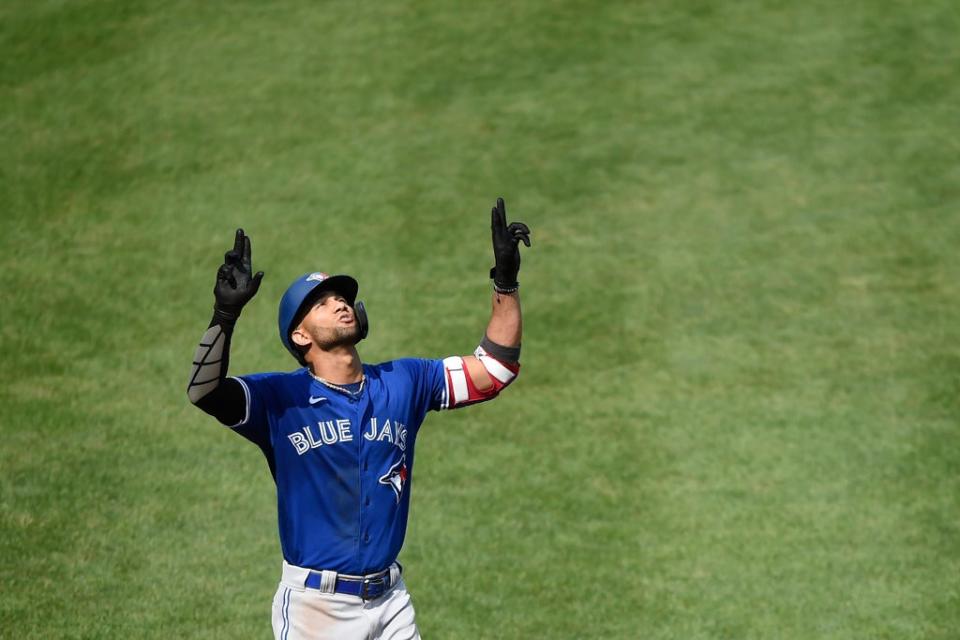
{"x":363,"y":378}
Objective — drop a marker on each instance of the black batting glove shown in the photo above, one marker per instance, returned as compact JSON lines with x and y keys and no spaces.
{"x":235,"y":284}
{"x":506,"y":248}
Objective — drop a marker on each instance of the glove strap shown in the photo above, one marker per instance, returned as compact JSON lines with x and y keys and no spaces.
{"x":225,"y":316}
{"x":502,"y":288}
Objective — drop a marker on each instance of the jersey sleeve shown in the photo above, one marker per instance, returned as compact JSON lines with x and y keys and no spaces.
{"x":429,"y":382}
{"x":259,"y":394}
{"x":255,"y":424}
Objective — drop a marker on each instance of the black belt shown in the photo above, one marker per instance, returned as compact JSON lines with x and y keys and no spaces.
{"x":368,"y":587}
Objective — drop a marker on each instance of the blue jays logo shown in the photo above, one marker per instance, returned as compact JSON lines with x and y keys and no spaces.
{"x":396,"y":477}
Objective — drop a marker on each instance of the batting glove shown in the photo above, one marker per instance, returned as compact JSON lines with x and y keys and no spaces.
{"x":506,"y":248}
{"x":235,"y":284}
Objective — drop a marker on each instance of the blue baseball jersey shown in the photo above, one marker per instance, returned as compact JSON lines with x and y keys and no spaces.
{"x":343,"y":465}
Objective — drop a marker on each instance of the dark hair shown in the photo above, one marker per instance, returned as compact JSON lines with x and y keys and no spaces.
{"x":301,"y":353}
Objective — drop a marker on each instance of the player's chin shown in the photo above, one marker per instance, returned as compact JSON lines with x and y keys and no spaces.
{"x":348,"y":335}
{"x":339,"y":337}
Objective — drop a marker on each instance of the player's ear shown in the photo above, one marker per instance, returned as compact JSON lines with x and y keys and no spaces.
{"x":300,"y":338}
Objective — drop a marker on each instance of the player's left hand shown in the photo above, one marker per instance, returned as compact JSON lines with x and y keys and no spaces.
{"x":506,"y":247}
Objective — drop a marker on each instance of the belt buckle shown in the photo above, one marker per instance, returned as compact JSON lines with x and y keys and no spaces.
{"x":365,"y":587}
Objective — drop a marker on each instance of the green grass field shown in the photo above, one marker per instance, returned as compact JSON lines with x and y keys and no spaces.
{"x":739,"y":415}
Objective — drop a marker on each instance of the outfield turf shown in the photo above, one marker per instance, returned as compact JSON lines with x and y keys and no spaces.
{"x":738,"y":413}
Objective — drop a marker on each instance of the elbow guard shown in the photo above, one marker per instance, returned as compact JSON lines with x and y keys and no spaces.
{"x":460,"y":390}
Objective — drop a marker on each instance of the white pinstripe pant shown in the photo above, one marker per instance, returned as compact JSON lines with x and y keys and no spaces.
{"x":302,"y":613}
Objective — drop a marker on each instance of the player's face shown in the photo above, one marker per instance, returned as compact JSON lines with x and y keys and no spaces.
{"x":330,"y":322}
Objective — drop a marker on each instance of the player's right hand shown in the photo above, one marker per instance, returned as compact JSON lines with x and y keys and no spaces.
{"x":236,"y":284}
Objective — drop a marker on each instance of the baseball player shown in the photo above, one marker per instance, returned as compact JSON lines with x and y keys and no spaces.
{"x":339,"y":435}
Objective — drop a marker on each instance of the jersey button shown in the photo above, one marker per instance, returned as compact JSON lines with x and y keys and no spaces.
{"x":366,"y":537}
{"x":367,"y":501}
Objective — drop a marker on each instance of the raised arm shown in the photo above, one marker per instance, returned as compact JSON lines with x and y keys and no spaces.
{"x":496,"y":362}
{"x":208,"y":387}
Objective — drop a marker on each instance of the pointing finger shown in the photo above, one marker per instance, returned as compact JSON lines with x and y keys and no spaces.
{"x":238,"y":242}
{"x":495,"y":221}
{"x":499,"y":215}
{"x":245,"y":259}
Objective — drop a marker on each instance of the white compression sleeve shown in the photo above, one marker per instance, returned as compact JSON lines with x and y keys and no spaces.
{"x":208,"y":364}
